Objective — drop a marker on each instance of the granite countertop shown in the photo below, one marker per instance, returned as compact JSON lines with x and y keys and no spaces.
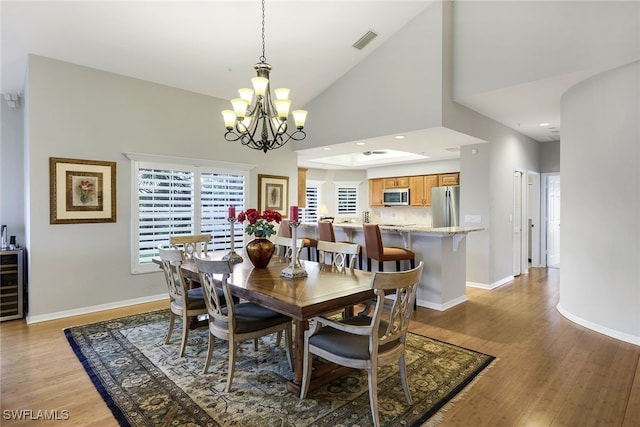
{"x":414,"y":228}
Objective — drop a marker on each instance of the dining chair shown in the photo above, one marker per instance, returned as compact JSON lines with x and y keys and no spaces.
{"x":307,"y":242}
{"x":284,"y":247}
{"x":184,"y":302}
{"x":375,"y":249}
{"x":327,"y":233}
{"x":191,"y":244}
{"x":367,"y":342}
{"x":343,"y":255}
{"x":236,"y":322}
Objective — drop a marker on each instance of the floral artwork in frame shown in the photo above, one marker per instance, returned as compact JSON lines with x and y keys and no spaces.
{"x":273,"y":192}
{"x":82,"y":191}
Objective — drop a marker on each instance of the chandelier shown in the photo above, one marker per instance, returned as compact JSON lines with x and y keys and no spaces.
{"x":263,"y":125}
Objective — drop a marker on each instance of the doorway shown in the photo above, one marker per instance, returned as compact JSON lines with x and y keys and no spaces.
{"x":552,"y":213}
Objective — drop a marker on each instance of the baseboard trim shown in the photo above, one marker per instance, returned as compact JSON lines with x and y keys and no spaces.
{"x":442,"y":307}
{"x":633,"y":339}
{"x":491,"y":286}
{"x":94,"y":308}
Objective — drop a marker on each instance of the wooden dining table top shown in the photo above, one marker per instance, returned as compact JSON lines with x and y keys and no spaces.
{"x":323,"y":290}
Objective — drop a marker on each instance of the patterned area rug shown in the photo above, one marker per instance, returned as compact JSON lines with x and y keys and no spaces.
{"x":146,"y":383}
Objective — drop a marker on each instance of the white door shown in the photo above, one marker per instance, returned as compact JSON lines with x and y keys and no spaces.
{"x":517,"y":223}
{"x":553,"y":221}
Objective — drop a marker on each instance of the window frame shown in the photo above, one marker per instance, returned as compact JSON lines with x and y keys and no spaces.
{"x":197,"y":166}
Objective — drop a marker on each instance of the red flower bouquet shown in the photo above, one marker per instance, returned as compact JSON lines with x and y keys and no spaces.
{"x":260,"y":225}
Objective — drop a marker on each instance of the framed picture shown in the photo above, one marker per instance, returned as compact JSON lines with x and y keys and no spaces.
{"x":273,"y":193}
{"x":81,"y":191}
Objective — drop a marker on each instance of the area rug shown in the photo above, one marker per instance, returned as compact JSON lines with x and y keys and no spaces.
{"x":145,"y":382}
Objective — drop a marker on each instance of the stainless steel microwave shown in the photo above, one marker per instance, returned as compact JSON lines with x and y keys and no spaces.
{"x":395,"y":197}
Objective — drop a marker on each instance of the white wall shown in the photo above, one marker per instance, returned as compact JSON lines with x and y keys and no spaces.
{"x":83,"y":113}
{"x":550,"y":156}
{"x":397,"y":88}
{"x":505,"y":43}
{"x":600,"y":234}
{"x":12,"y":192}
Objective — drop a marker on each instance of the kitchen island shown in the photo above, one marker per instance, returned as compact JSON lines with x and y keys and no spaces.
{"x":443,"y":251}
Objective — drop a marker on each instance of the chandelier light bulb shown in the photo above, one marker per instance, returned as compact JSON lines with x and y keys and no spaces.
{"x":260,"y":85}
{"x":240,"y":107}
{"x":246,"y":94}
{"x":282,"y":93}
{"x":299,"y":117}
{"x":229,"y":119}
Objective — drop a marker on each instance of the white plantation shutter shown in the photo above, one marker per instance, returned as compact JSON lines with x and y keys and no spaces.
{"x":310,"y":212}
{"x":165,"y":206}
{"x":347,"y":197}
{"x":218,"y":192}
{"x":181,"y":199}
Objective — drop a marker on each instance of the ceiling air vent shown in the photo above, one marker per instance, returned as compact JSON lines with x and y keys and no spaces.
{"x":365,"y":40}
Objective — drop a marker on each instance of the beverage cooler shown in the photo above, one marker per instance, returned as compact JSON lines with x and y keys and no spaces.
{"x":11,"y":284}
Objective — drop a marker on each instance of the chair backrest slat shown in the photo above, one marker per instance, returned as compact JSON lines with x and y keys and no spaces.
{"x":191,"y":244}
{"x":339,"y":251}
{"x":171,"y":260}
{"x":405,"y":284}
{"x":285,"y":244}
{"x":214,"y":274}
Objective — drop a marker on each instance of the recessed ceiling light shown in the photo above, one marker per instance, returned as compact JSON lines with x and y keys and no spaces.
{"x":544,"y":124}
{"x":399,"y":137}
{"x":327,"y":148}
{"x":359,"y":143}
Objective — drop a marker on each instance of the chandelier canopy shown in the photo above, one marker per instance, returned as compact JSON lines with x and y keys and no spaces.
{"x":262,"y":125}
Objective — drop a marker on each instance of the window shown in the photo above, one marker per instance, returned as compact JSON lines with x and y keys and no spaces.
{"x":310,"y":212}
{"x":176,"y":198}
{"x":347,"y":198}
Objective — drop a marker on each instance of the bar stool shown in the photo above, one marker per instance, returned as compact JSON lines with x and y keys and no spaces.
{"x":326,"y":233}
{"x":285,"y":231}
{"x":375,"y":250}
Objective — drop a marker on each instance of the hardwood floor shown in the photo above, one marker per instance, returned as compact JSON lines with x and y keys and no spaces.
{"x":549,"y":372}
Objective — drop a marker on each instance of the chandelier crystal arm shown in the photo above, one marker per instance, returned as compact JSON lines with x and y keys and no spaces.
{"x":263,"y":125}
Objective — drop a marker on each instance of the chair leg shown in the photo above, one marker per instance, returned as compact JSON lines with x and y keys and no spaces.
{"x":255,"y":344}
{"x":412,"y":261}
{"x":185,"y":333}
{"x":232,"y":364}
{"x":397,"y":265}
{"x":306,"y":369}
{"x":172,"y":319}
{"x":403,"y":378}
{"x":288,"y":338}
{"x":209,"y":353}
{"x":373,"y":394}
{"x":368,"y":264}
{"x":278,"y":338}
{"x":380,"y":265}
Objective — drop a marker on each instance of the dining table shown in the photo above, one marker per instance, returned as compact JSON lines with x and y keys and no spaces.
{"x":325,"y":290}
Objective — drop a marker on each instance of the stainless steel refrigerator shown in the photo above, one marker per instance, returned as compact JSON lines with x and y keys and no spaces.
{"x":445,"y":206}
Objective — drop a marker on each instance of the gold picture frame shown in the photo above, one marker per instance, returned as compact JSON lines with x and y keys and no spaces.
{"x":273,"y":193}
{"x":81,"y":191}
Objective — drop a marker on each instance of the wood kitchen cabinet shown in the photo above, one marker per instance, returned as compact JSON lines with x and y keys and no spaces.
{"x":420,"y":189}
{"x":448,"y":179}
{"x":376,"y":187}
{"x":302,"y":187}
{"x":396,"y":182}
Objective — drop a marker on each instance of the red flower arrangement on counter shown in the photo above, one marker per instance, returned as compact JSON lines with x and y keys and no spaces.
{"x":260,"y":224}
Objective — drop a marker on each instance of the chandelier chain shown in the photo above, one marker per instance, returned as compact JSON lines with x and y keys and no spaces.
{"x":263,"y":58}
